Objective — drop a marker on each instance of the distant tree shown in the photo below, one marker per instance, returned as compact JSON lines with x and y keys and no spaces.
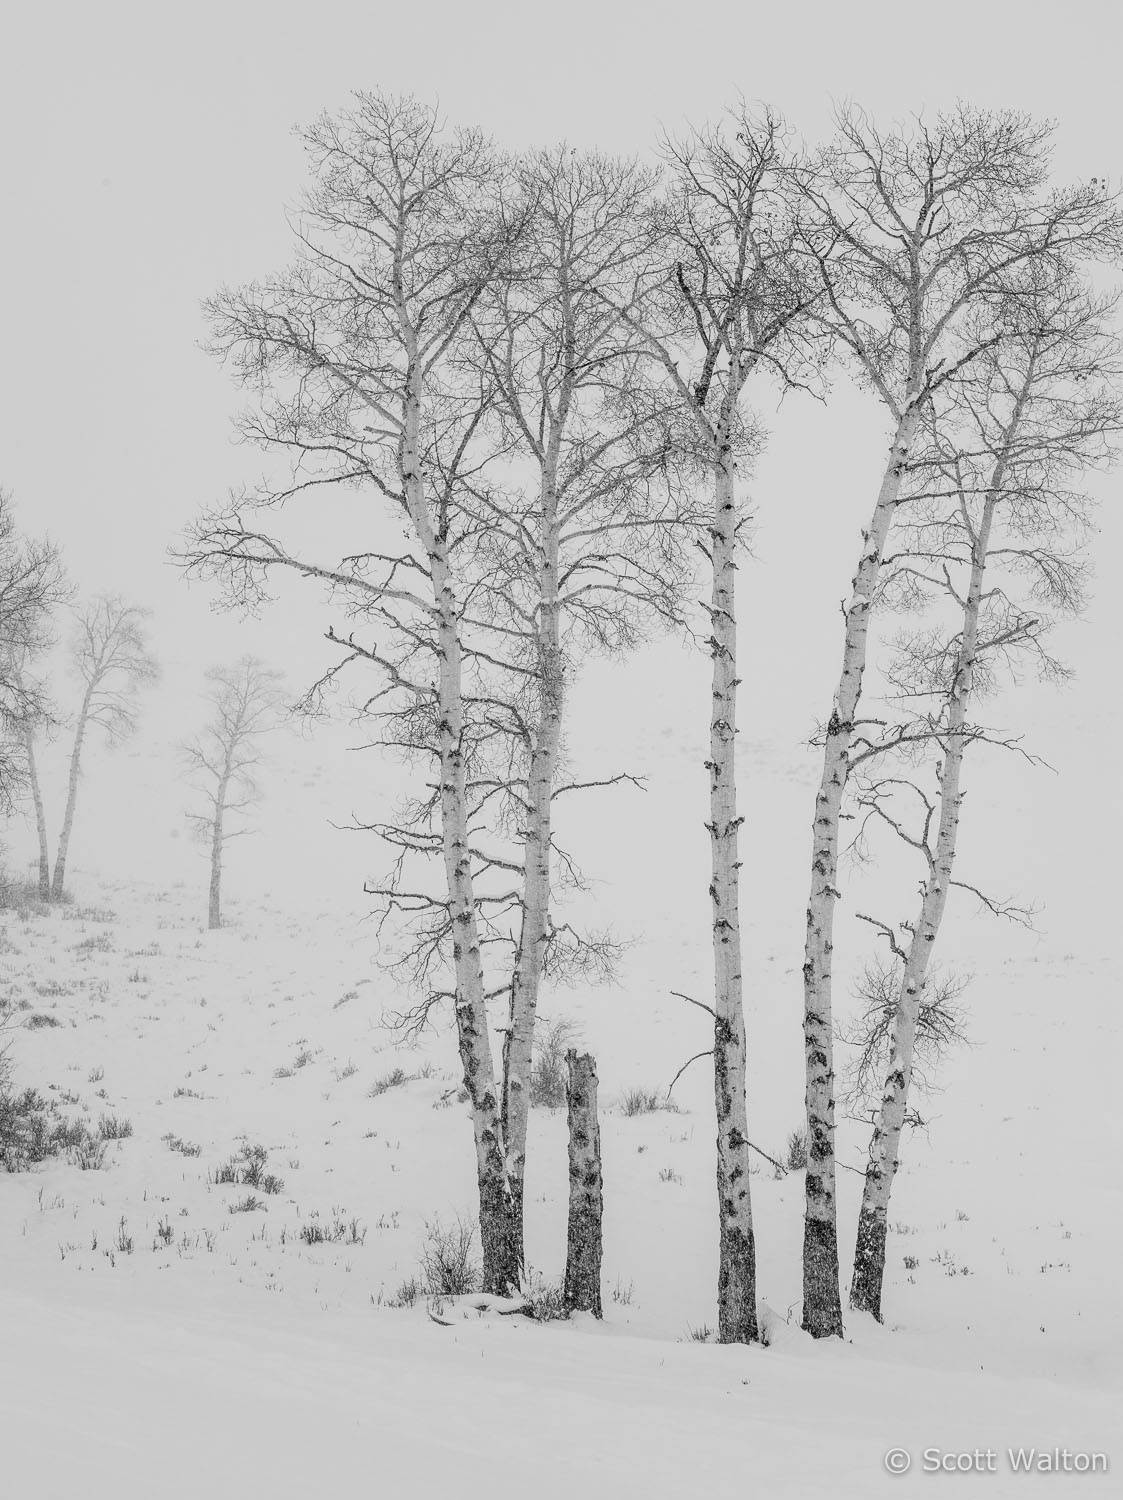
{"x":32,"y":585}
{"x":917,"y":234}
{"x":245,"y":701}
{"x":111,"y":658}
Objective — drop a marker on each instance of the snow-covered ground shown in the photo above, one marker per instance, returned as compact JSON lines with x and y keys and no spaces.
{"x":156,"y":1338}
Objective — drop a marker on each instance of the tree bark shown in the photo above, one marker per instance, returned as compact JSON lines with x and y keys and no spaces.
{"x":534,"y":930}
{"x":736,"y":1291}
{"x":822,"y":1306}
{"x":498,"y":1237}
{"x":214,"y":902}
{"x":586,"y":1188}
{"x":869,"y":1253}
{"x":40,"y":815}
{"x":58,"y":883}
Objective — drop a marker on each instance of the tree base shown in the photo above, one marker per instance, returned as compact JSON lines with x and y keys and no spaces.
{"x":822,"y":1303}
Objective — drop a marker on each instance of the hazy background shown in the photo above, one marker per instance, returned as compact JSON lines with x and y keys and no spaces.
{"x":147,"y":158}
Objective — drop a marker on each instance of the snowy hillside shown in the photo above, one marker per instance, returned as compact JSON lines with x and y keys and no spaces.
{"x":1003,"y":1309}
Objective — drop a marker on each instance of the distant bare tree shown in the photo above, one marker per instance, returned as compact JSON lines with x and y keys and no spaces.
{"x":111,"y":658}
{"x":32,"y":585}
{"x":917,"y":235}
{"x":245,"y":702}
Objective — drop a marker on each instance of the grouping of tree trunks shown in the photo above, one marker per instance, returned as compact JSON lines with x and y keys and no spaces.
{"x":541,"y":366}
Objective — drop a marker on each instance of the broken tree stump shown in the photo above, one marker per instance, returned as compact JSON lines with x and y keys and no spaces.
{"x":586,"y":1187}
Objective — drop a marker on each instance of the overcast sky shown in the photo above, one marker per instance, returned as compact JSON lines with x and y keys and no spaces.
{"x":147,"y":157}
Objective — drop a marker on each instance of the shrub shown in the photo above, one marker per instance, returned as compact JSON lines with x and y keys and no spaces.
{"x":40,"y":1019}
{"x":339,"y":1232}
{"x":88,"y":1155}
{"x":545,"y":1300}
{"x":114,"y":1128}
{"x":21,"y":896}
{"x":32,"y":1130}
{"x":247,"y":1205}
{"x":447,"y":1267}
{"x":177,"y":1143}
{"x":247,"y":1169}
{"x":647,"y":1101}
{"x":548,"y":1072}
{"x":392,"y":1080}
{"x":407,"y":1294}
{"x":795,"y":1150}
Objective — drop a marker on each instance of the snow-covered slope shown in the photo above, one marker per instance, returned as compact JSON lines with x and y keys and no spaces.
{"x":223,"y":1353}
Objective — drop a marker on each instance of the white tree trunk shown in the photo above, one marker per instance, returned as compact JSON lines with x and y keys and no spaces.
{"x":822,"y":1307}
{"x":534,"y":930}
{"x":736,"y":1296}
{"x":58,"y":883}
{"x":501,"y":1270}
{"x":214,"y":900}
{"x":40,"y":814}
{"x":584,"y":1238}
{"x":869,"y":1253}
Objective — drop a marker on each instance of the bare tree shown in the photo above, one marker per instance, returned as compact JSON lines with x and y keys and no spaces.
{"x":996,"y":539}
{"x":32,"y":586}
{"x":587,"y":554}
{"x":916,"y":236}
{"x":245,"y":703}
{"x":111,"y":658}
{"x":353,"y":356}
{"x":728,"y":302}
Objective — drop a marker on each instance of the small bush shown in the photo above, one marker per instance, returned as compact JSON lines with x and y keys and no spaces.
{"x":646,"y":1102}
{"x":338,"y":1232}
{"x":40,"y":1019}
{"x":88,"y":1155}
{"x":247,"y":1169}
{"x":21,"y":896}
{"x":704,"y":1334}
{"x":32,"y":1130}
{"x":447,"y":1268}
{"x":247,"y":1205}
{"x":114,"y":1128}
{"x":796,"y":1149}
{"x":388,"y":1081}
{"x":548,"y":1072}
{"x":545,"y":1300}
{"x":407,"y":1294}
{"x":185,"y":1148}
{"x":97,"y":942}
